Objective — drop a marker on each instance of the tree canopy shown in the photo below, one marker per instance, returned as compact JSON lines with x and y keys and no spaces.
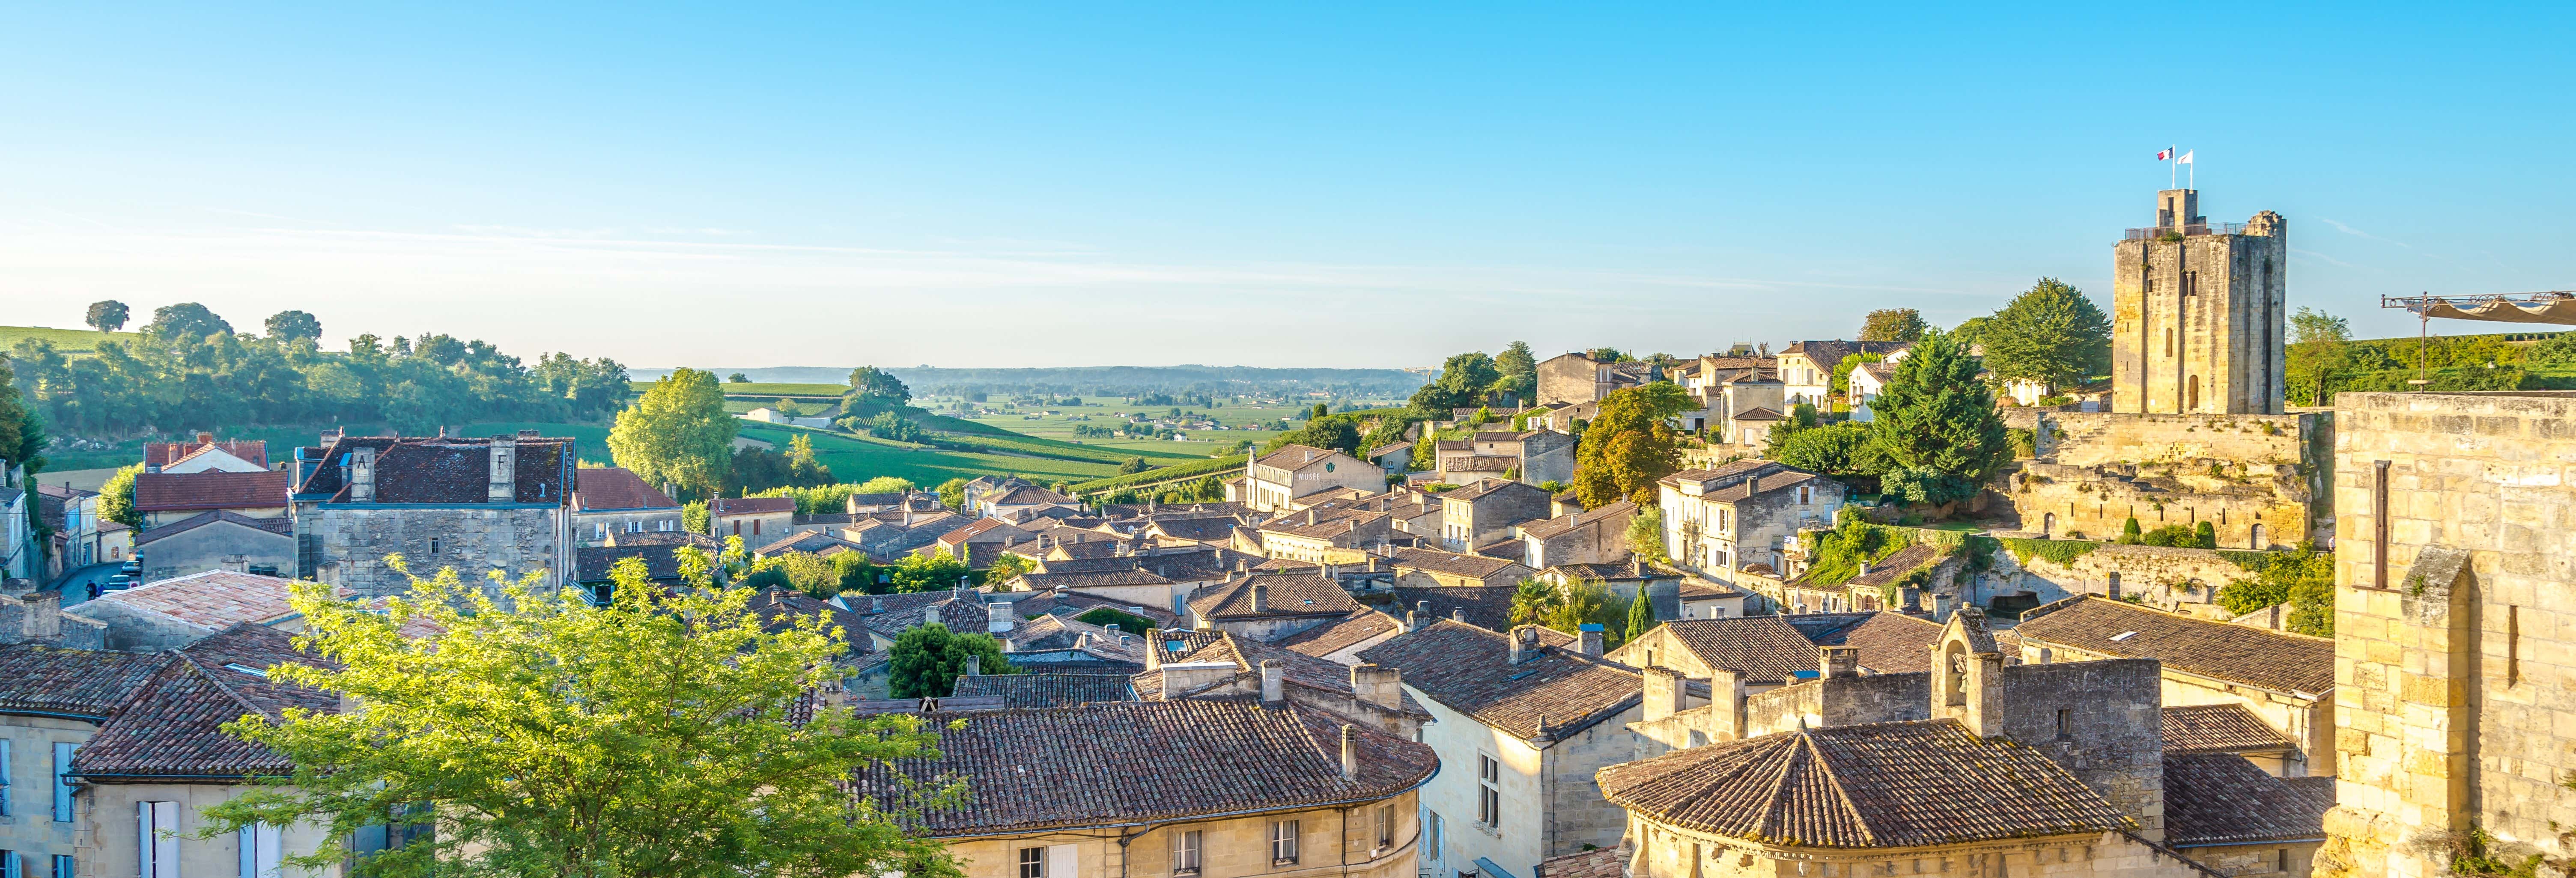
{"x":2053,"y":335}
{"x":106,"y":316}
{"x":184,"y":319}
{"x":1517,"y":369}
{"x":1892,"y":324}
{"x":22,"y":429}
{"x":926,"y":659}
{"x":1628,"y":446}
{"x":874,"y":388}
{"x":677,"y":432}
{"x":1936,"y":424}
{"x":1464,"y":381}
{"x":659,"y":735}
{"x":294,"y":325}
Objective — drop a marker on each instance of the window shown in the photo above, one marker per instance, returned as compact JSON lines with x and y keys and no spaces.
{"x":2065,"y":729}
{"x":1032,"y":861}
{"x":1283,"y":842}
{"x":433,"y":545}
{"x":755,"y":527}
{"x":8,"y":806}
{"x":65,"y":866}
{"x":1489,"y":790}
{"x":1385,"y":826}
{"x":260,"y":851}
{"x":1185,"y":853}
{"x":11,"y":866}
{"x":737,"y":528}
{"x":1805,"y":495}
{"x":1439,"y":826}
{"x":62,"y":786}
{"x":601,"y":531}
{"x":156,"y":844}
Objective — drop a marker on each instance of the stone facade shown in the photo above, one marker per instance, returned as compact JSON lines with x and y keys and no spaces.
{"x":1552,"y":805}
{"x":217,"y":545}
{"x":514,"y":542}
{"x":1577,"y":378}
{"x":2455,"y":682}
{"x":1340,"y":842}
{"x":1486,"y":511}
{"x":2172,"y":579}
{"x":2197,"y":315}
{"x":1717,"y":522}
{"x":2252,"y":477}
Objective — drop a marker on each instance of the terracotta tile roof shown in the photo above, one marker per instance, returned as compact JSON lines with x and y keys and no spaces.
{"x":2272,"y":660}
{"x":178,"y":492}
{"x":904,"y":612}
{"x":1564,"y":524}
{"x":1456,"y":564}
{"x":1482,"y":488}
{"x":1878,"y":785}
{"x":1488,"y":606}
{"x":1329,"y":522}
{"x":1609,"y":862}
{"x":2219,"y":728}
{"x":1767,"y":650}
{"x":1886,"y":571}
{"x":1734,"y":482}
{"x":79,"y":682}
{"x":1889,"y":643}
{"x":603,"y":488}
{"x":1027,"y":495}
{"x":1285,"y":595}
{"x":1340,"y":634}
{"x":1074,"y":604}
{"x":807,"y":541}
{"x":1201,"y":529}
{"x":1505,"y":549}
{"x":1047,"y":690}
{"x":157,"y":455}
{"x":2223,"y":799}
{"x":284,"y":527}
{"x":1296,"y":669}
{"x":174,"y":727}
{"x":1467,"y":668}
{"x":751,"y":505}
{"x":1144,"y":761}
{"x":1293,"y":456}
{"x":1129,"y":576}
{"x":213,"y":600}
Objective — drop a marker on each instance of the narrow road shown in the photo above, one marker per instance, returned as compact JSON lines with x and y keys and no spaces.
{"x":75,"y":585}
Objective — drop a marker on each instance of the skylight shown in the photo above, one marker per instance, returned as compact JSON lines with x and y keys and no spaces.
{"x":2123,"y":636}
{"x":237,"y":666}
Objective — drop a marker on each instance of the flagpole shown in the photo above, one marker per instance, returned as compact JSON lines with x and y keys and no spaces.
{"x":2172,"y":174}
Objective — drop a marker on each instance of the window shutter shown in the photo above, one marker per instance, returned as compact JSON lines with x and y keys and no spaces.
{"x":1063,"y":861}
{"x":143,"y":840}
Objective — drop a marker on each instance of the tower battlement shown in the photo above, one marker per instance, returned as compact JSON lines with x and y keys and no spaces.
{"x":2197,"y":312}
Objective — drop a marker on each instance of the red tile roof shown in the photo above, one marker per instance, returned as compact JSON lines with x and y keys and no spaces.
{"x":2272,"y":660}
{"x":2223,"y":799}
{"x":445,"y":470}
{"x":1468,"y":669}
{"x":174,"y":727}
{"x":79,"y":682}
{"x":213,"y":600}
{"x":180,"y":492}
{"x":597,"y":489}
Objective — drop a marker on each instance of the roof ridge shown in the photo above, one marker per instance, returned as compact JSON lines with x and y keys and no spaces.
{"x":219,"y":684}
{"x":1841,"y":794}
{"x":1777,"y":787}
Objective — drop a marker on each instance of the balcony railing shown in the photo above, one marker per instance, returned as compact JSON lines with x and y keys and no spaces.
{"x":2186,"y":230}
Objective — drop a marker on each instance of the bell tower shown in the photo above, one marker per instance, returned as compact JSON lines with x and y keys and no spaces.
{"x":2197,"y":312}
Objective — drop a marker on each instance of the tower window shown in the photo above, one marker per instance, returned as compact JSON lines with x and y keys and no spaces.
{"x":2168,"y":342}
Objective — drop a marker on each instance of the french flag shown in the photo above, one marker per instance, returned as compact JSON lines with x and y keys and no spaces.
{"x":2162,"y":155}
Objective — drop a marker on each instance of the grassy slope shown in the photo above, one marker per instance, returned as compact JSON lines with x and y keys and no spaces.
{"x":857,"y":459}
{"x":772,"y":391}
{"x":70,"y":341}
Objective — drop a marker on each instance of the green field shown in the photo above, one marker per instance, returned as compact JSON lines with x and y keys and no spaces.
{"x":590,"y":442}
{"x":1200,"y":444}
{"x":69,"y":341}
{"x":773,"y":391}
{"x":858,"y":459}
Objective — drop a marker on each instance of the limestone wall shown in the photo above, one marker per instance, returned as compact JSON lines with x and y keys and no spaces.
{"x":2259,"y":480}
{"x":1576,"y":813}
{"x":353,"y":544}
{"x":2455,"y":670}
{"x":2178,"y":580}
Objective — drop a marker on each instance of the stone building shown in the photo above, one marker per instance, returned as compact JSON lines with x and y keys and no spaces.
{"x":1486,"y":510}
{"x":1270,"y":606}
{"x":217,"y":540}
{"x":1275,"y":480}
{"x":610,"y":499}
{"x":1432,"y":568}
{"x":757,"y":520}
{"x":1596,"y":536}
{"x":2197,"y":323}
{"x":1577,"y":378}
{"x":1530,"y":456}
{"x":1522,"y":720}
{"x":1207,"y":787}
{"x":2253,"y":477}
{"x":1717,"y":521}
{"x":1806,"y":368}
{"x":478,"y":506}
{"x":2456,"y":690}
{"x":2284,"y":679}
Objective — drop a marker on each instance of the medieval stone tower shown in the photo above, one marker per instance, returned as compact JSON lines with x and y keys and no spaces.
{"x":2197,"y":321}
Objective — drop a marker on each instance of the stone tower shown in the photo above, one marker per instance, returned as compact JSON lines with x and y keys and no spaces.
{"x":2197,"y":320}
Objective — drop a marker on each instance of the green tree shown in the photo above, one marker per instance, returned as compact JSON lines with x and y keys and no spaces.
{"x":2303,"y":579}
{"x":1516,"y":371}
{"x":1937,"y":425}
{"x":185,"y":320}
{"x":1641,"y":617}
{"x":872,"y":388}
{"x":1590,"y":602}
{"x":116,"y":498}
{"x":952,"y":493}
{"x":2053,"y":335}
{"x":1464,"y":380}
{"x":106,"y":316}
{"x":693,"y":516}
{"x":1532,"y":601}
{"x":1133,"y":466}
{"x":22,"y":429}
{"x":1646,"y":533}
{"x":2205,"y":536}
{"x":677,"y":432}
{"x":1628,"y":447}
{"x":737,"y":378}
{"x":1609,"y":355}
{"x":1892,"y":324}
{"x":2129,"y":532}
{"x":294,"y":325}
{"x":547,"y":737}
{"x":926,"y":573}
{"x":1833,"y":449}
{"x":802,"y":571}
{"x":926,"y":659}
{"x":1009,"y":566}
{"x":2320,"y":346}
{"x":1337,"y":432}
{"x":788,"y":407}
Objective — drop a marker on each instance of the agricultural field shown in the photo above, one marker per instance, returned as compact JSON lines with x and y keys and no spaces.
{"x":590,"y":442}
{"x":859,"y":458}
{"x":1058,"y":422}
{"x":69,"y":341}
{"x":767,"y":390}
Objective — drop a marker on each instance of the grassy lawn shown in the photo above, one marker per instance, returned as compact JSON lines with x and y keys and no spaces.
{"x":857,"y":459}
{"x":69,"y":341}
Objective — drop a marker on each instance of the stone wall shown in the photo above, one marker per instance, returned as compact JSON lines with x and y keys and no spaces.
{"x":2456,"y":681}
{"x":512,"y":540}
{"x":220,"y":545}
{"x":1676,"y":852}
{"x":2197,"y":321}
{"x":2257,"y":479}
{"x":1332,"y":842}
{"x":1577,"y":816}
{"x":2177,"y":580}
{"x":1839,"y":701}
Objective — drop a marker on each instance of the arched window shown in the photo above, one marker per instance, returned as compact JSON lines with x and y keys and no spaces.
{"x":2048,"y":526}
{"x":2191,"y":396}
{"x":2115,"y":586}
{"x":1954,"y":673}
{"x":2255,"y":541}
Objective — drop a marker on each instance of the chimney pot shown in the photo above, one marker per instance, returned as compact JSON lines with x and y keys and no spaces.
{"x":1274,"y":674}
{"x":1260,"y":598}
{"x":974,"y":666}
{"x":1524,"y":644}
{"x":1588,"y":638}
{"x":204,"y":437}
{"x":1350,"y":753}
{"x":1837,"y":662}
{"x":930,"y":615}
{"x":1456,"y":614}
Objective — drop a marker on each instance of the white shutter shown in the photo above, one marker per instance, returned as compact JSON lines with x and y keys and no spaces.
{"x":1063,"y":861}
{"x":143,"y":839}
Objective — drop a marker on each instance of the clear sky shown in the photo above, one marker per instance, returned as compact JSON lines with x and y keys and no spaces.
{"x":1279,"y":184}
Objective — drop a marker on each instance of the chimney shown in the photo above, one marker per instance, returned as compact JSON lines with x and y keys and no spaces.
{"x":974,"y":665}
{"x":1378,"y":685}
{"x":1665,"y":695}
{"x":362,"y":475}
{"x":1260,"y":598}
{"x":44,"y":616}
{"x":504,"y":486}
{"x":1111,"y":628}
{"x":998,"y":620}
{"x":205,"y":438}
{"x":1909,"y":599}
{"x":930,"y":615}
{"x":1350,"y":753}
{"x":1837,"y":662}
{"x":876,"y":604}
{"x":1273,"y":674}
{"x":1753,"y":484}
{"x":1864,"y":569}
{"x":1726,"y":700}
{"x":1587,"y":639}
{"x":1524,"y":644}
{"x":1420,"y":616}
{"x":1456,"y":614}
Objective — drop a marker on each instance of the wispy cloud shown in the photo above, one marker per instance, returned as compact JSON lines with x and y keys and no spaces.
{"x":2340,"y":227}
{"x":2320,"y":257}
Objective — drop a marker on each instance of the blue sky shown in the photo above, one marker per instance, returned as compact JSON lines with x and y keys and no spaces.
{"x":1264,"y":184}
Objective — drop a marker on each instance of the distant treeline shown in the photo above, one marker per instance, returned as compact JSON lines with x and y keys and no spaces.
{"x":1122,"y":381}
{"x":188,"y":369}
